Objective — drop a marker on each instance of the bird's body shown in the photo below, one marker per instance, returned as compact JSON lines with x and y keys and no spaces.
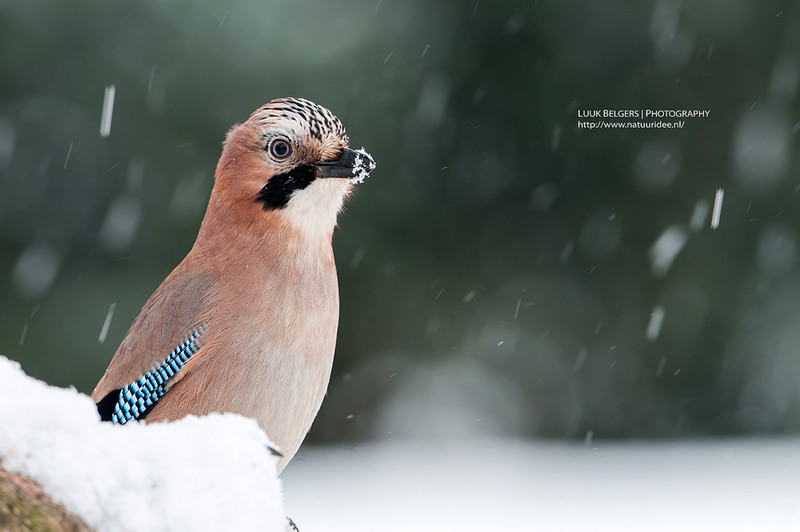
{"x":259,"y":285}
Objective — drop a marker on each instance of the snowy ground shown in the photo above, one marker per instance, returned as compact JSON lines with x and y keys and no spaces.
{"x":747,"y":485}
{"x":197,"y":474}
{"x":214,"y":473}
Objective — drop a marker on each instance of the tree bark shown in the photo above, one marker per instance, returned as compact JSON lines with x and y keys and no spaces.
{"x":25,"y":507}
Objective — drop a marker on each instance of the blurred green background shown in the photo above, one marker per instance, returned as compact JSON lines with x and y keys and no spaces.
{"x":500,"y":268}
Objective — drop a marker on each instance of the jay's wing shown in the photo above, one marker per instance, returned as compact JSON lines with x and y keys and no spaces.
{"x":134,"y":401}
{"x":166,"y":333}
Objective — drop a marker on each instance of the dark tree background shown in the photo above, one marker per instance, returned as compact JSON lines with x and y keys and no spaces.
{"x":500,"y":270}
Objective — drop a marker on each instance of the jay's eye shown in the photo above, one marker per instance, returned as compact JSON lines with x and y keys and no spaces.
{"x":280,"y":149}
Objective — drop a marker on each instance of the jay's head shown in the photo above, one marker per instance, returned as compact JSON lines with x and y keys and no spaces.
{"x":290,"y":159}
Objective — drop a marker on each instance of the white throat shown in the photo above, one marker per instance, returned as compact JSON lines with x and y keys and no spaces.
{"x":313,"y":210}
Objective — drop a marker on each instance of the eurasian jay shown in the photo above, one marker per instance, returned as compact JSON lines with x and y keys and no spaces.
{"x":247,"y":322}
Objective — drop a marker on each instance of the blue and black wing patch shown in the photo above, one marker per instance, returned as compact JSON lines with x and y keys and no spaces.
{"x":134,"y":401}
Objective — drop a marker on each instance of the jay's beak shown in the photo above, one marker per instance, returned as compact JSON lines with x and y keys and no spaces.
{"x":351,"y":164}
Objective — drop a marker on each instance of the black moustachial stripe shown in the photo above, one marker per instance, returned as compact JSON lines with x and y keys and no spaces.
{"x":276,"y":193}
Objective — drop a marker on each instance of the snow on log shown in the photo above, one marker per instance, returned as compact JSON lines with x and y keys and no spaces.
{"x":209,"y":473}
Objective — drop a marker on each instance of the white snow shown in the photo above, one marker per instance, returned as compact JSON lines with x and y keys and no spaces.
{"x":36,"y":269}
{"x":522,"y":486}
{"x":196,"y":474}
{"x":654,"y":326}
{"x":776,"y":252}
{"x":566,"y":252}
{"x":364,"y":164}
{"x":657,"y":166}
{"x":108,"y":111}
{"x":666,"y":248}
{"x":784,"y":79}
{"x":715,"y":214}
{"x":698,"y":217}
{"x":69,"y":152}
{"x":121,"y":223}
{"x":762,"y":148}
{"x":107,"y":323}
{"x":581,"y":360}
{"x":8,"y":140}
{"x":555,"y":141}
